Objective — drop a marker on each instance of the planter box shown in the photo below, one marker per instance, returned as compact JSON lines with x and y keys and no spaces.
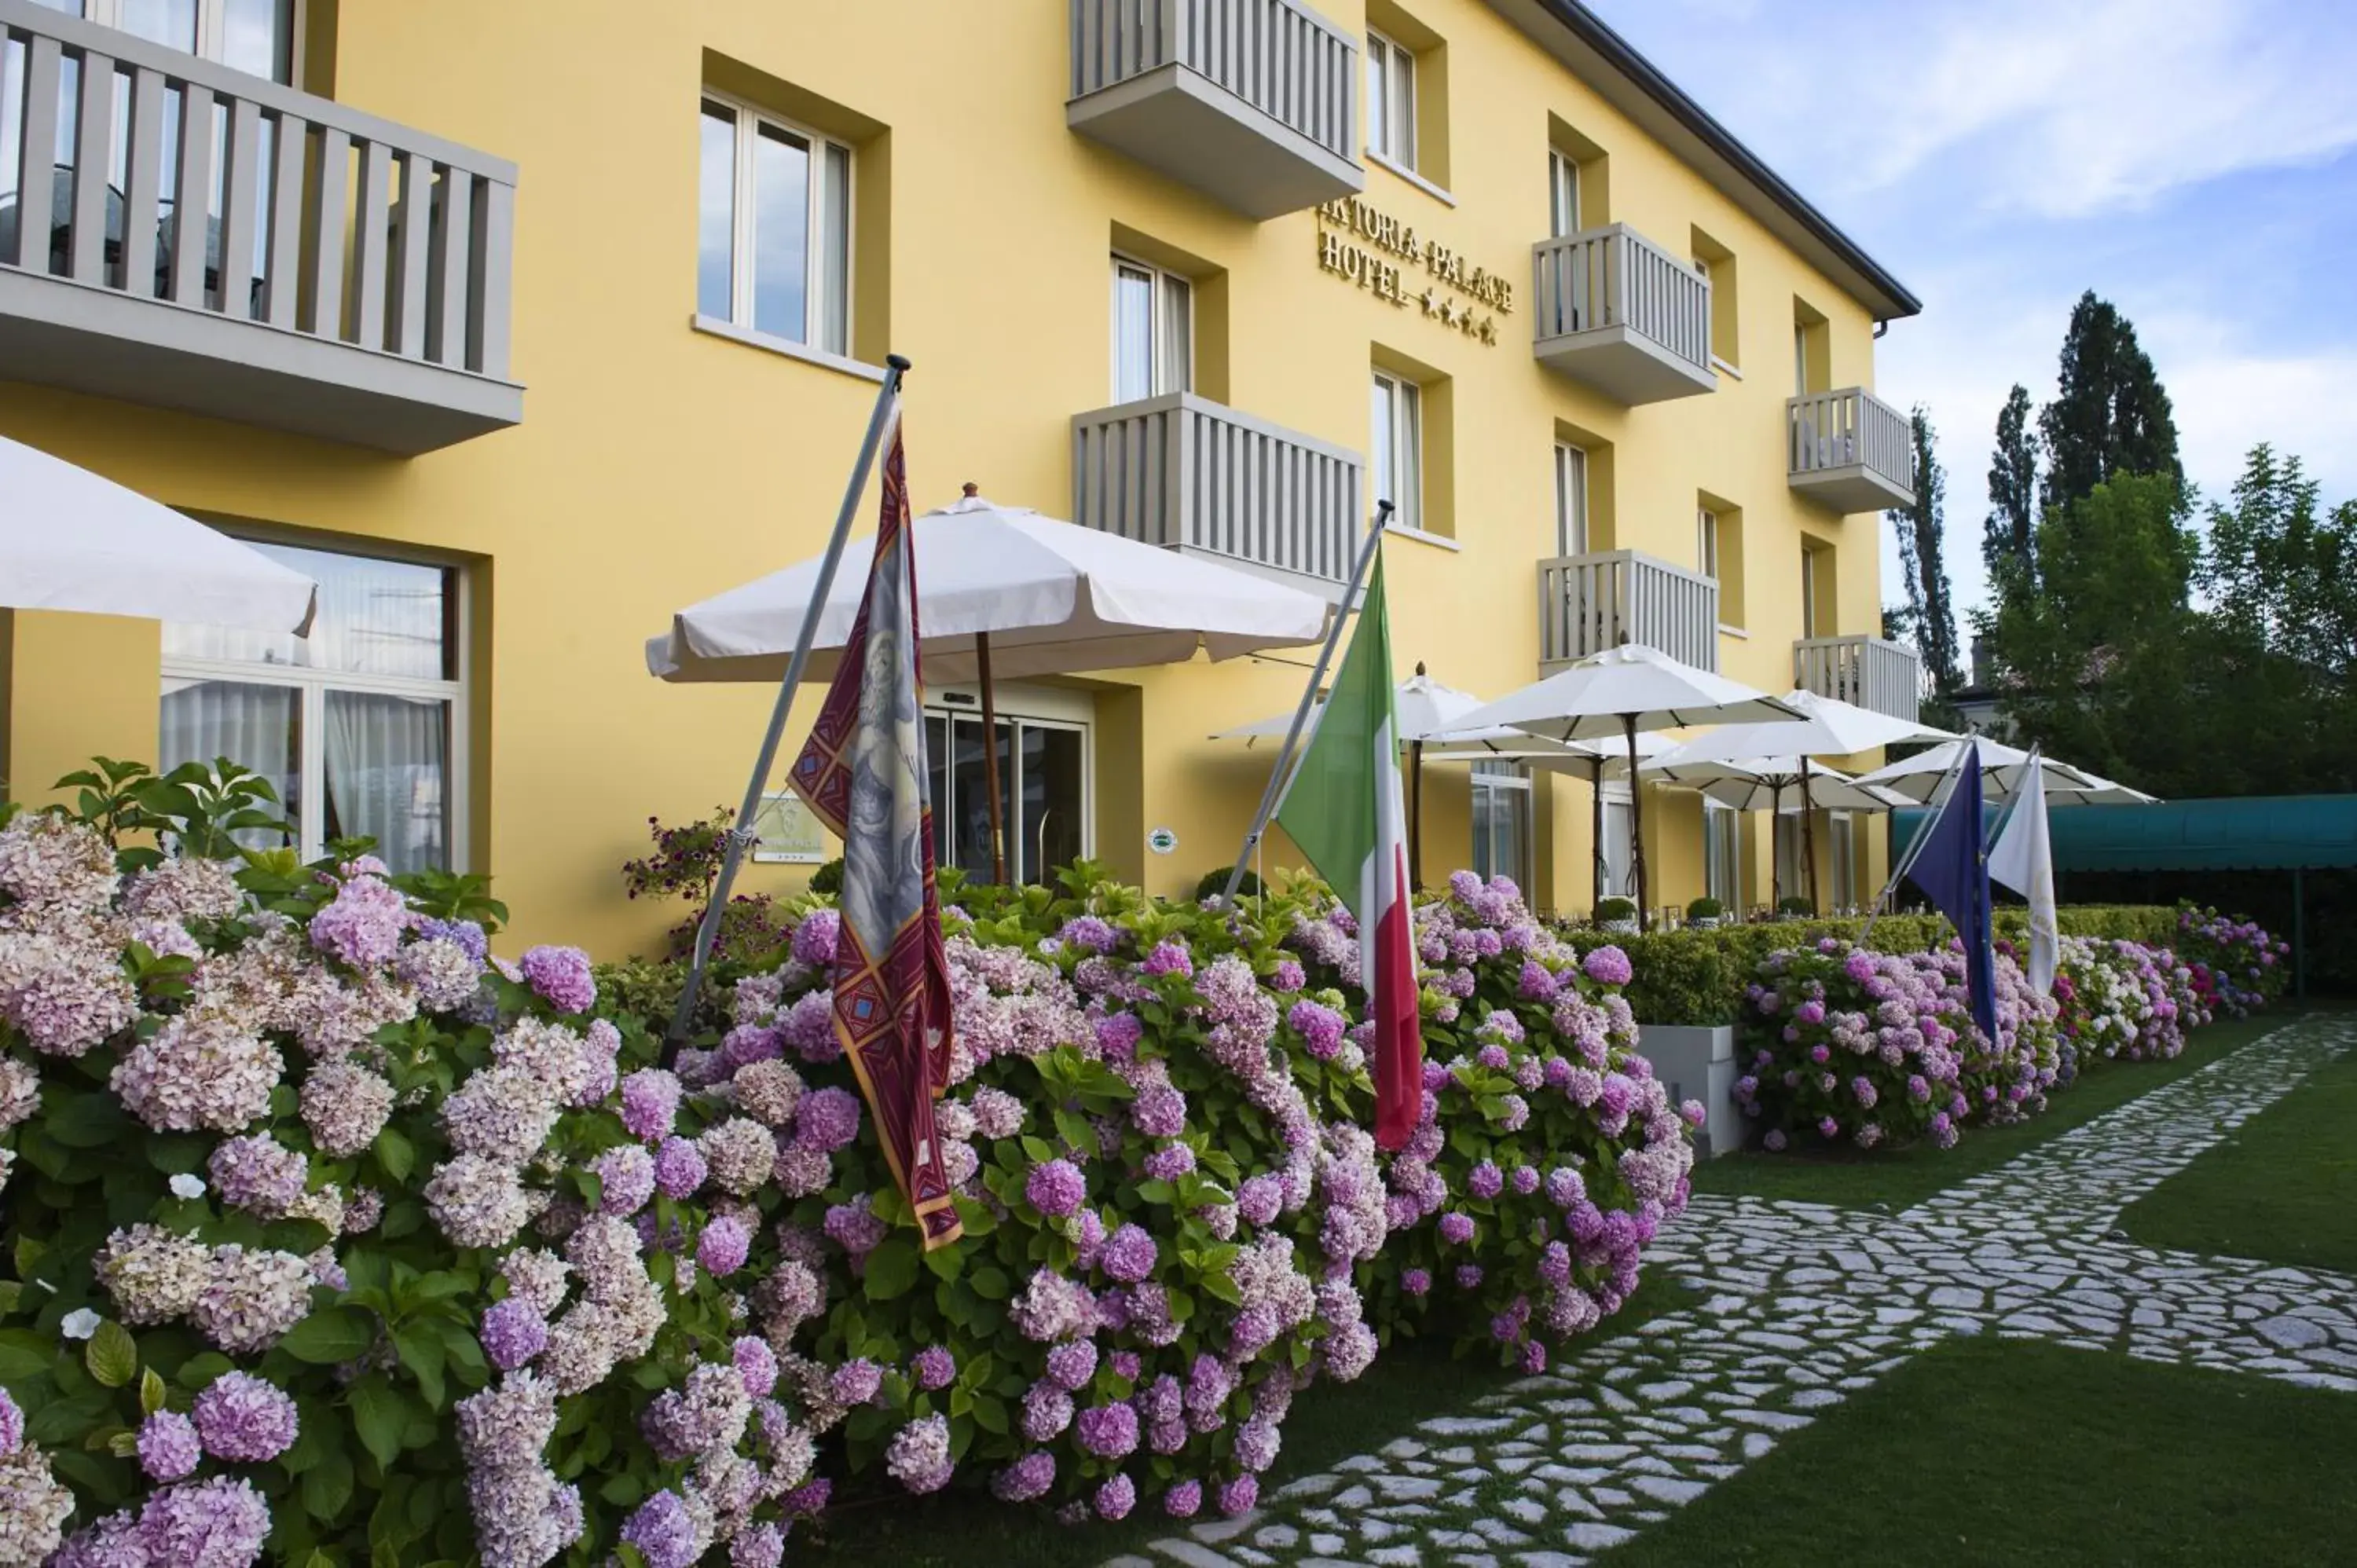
{"x":1697,"y":1062}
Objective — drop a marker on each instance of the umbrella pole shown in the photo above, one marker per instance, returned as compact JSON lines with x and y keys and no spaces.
{"x":1636,"y":824}
{"x":742,"y":835}
{"x":990,"y":758}
{"x":1280,"y":775}
{"x":1775,"y":861}
{"x":1415,"y":815}
{"x":1809,"y":839}
{"x":1596,"y":825}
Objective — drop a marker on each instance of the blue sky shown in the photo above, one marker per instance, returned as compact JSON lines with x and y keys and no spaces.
{"x":2193,"y":161}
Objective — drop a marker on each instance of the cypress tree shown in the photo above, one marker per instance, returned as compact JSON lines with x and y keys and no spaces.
{"x":2007,"y":538}
{"x":1930,"y":610}
{"x":2110,"y":414}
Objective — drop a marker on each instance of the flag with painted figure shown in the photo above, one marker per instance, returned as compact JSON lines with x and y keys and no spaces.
{"x":1344,"y":808}
{"x":2023,"y":859}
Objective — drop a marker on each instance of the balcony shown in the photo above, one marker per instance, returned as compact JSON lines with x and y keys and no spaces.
{"x":348,"y":278}
{"x":1887,"y":677}
{"x":1617,"y":311}
{"x":1190,"y":475}
{"x":1589,"y":603}
{"x":1253,"y":102}
{"x":1849,"y":451}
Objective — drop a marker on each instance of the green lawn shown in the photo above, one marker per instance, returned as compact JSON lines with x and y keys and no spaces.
{"x":1857,"y":1179}
{"x":885,"y":1528}
{"x":2283,"y":1188}
{"x":1992,"y":1451}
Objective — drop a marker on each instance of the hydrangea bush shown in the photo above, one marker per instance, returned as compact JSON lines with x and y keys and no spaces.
{"x":330,"y":1235}
{"x":1845,"y":1045}
{"x":2237,"y":967}
{"x":2121,"y":1000}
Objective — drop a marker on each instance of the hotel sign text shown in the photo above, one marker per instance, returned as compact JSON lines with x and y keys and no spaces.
{"x":1390,"y":259}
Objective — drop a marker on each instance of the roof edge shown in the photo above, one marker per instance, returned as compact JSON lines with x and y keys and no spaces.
{"x":1621,"y":57}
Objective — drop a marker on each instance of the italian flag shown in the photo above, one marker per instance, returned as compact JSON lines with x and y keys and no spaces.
{"x":1344,"y":808}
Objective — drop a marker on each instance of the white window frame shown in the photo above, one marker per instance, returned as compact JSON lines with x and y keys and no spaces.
{"x":1707,"y":542}
{"x":1620,"y":880}
{"x":1842,"y":826}
{"x":1799,"y":358}
{"x":1404,"y":486}
{"x":1563,"y":192}
{"x":1498,"y":777}
{"x":1722,"y":838}
{"x":1391,"y":101}
{"x":1573,"y":536}
{"x":1808,"y":592}
{"x":313,"y":684}
{"x":818,"y":251}
{"x":1018,"y":853}
{"x":1170,"y":293}
{"x":212,"y":23}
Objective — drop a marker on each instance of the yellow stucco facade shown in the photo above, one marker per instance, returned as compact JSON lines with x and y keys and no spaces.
{"x":657,"y":464}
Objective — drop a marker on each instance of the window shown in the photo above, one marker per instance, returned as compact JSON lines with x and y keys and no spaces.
{"x":1706,"y":541}
{"x":254,"y":36}
{"x":1808,"y":592}
{"x":1570,"y":498}
{"x":1792,"y":864}
{"x":1843,"y":827}
{"x":1722,"y":843}
{"x":1152,"y":331}
{"x":1042,"y":763}
{"x":359,"y":726}
{"x":773,"y":227}
{"x":1800,"y":359}
{"x":1397,"y":469}
{"x":1563,"y":193}
{"x":1501,"y":822}
{"x":1620,"y":839}
{"x":1716,"y":265}
{"x":1391,"y":101}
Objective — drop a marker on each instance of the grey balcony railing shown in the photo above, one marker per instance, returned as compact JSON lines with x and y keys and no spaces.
{"x":1589,"y":603}
{"x":1887,"y":677}
{"x":1251,"y":101}
{"x":1850,"y":450}
{"x":237,"y":248}
{"x":1617,"y":311}
{"x":1188,"y":474}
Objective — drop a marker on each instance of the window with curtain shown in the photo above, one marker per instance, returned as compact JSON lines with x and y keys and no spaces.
{"x":357,"y":725}
{"x":1391,"y":101}
{"x":1722,"y":840}
{"x":1570,"y":499}
{"x":1706,"y":541}
{"x":1619,"y":842}
{"x":1396,"y":448}
{"x":773,"y":227}
{"x":1501,"y":822}
{"x":1152,"y":331}
{"x":1563,"y":193}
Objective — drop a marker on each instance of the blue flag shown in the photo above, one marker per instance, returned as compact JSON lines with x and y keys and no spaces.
{"x":1951,"y":869}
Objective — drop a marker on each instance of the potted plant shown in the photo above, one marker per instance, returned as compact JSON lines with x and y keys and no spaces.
{"x":1705,"y":913}
{"x":1795,"y":908}
{"x":1617,"y":916}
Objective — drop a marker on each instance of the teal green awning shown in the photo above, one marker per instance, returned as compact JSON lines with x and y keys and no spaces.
{"x":2260,"y":832}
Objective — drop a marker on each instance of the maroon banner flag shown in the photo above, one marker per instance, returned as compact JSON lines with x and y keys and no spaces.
{"x":863,"y":774}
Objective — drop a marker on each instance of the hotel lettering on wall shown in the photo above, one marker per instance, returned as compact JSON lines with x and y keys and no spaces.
{"x":1391,"y":261}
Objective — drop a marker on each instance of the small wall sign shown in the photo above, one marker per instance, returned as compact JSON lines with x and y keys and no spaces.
{"x":1162,"y":841}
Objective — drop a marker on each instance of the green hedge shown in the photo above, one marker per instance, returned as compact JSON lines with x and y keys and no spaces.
{"x":1693,"y":976}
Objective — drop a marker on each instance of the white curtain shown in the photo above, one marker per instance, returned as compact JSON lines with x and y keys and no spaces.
{"x":254,"y":725}
{"x":388,"y":775}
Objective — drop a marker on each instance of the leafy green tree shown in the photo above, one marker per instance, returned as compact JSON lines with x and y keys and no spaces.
{"x":2110,"y":414}
{"x":2007,"y":538}
{"x":1922,"y":528}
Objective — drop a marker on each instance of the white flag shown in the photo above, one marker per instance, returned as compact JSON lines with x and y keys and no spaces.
{"x":2021,"y":860}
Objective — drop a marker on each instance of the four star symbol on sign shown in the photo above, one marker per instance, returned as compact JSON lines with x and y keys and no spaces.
{"x":1451,"y":314}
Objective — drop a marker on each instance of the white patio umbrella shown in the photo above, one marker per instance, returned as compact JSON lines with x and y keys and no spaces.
{"x":1620,"y":692}
{"x":2002,"y":770}
{"x":1000,"y":591}
{"x":1762,"y":784}
{"x":72,"y":540}
{"x":1780,"y":754}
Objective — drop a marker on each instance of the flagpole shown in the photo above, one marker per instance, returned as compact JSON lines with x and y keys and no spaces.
{"x":1277,"y":779}
{"x":743,"y":835}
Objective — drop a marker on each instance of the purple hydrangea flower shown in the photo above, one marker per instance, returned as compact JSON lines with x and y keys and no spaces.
{"x":1416,"y":1282}
{"x":245,"y":1420}
{"x":933,"y":1367}
{"x":1485,"y":1181}
{"x":856,"y":1382}
{"x":1183,"y":1499}
{"x":214,"y":1523}
{"x":1456,"y":1228}
{"x":1116,"y":1497}
{"x":1056,"y":1188}
{"x":170,"y":1449}
{"x":663,"y":1531}
{"x":1109,"y":1432}
{"x":1608,"y":966}
{"x":562,"y":977}
{"x":1168,"y":957}
{"x":679,"y":1168}
{"x":1072,"y":1363}
{"x":649,"y":1104}
{"x":816,"y":936}
{"x":722,"y":1248}
{"x":1130,"y":1255}
{"x":756,"y":1364}
{"x":826,"y":1120}
{"x":513,"y":1332}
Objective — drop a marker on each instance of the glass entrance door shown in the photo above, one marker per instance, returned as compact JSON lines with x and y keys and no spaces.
{"x":1042,"y":764}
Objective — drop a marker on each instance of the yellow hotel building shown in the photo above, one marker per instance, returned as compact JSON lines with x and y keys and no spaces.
{"x":521,"y":326}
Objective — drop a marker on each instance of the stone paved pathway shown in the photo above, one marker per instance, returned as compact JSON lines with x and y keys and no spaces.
{"x":1798,"y":1307}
